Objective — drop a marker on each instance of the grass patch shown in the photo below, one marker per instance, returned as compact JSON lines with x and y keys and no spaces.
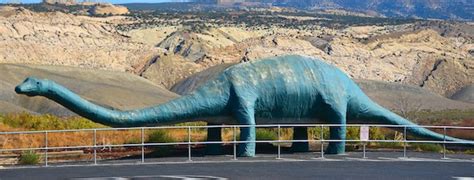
{"x":427,"y":147}
{"x":388,"y":145}
{"x":29,"y":158}
{"x":46,"y":122}
{"x":438,"y":116}
{"x":159,"y":136}
{"x":470,"y":151}
{"x":266,"y":135}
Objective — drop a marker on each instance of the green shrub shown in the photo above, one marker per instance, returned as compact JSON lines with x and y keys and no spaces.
{"x":470,"y":151}
{"x":427,"y":147}
{"x":315,"y":132}
{"x":266,"y":135}
{"x":29,"y":158}
{"x":160,"y":136}
{"x":352,"y":133}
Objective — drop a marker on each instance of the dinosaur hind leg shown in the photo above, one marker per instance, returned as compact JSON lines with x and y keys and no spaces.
{"x":337,"y":116}
{"x":246,"y":116}
{"x":214,"y":135}
{"x":247,"y":134}
{"x":300,"y":133}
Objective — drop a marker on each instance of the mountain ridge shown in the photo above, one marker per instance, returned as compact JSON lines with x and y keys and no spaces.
{"x":426,"y":9}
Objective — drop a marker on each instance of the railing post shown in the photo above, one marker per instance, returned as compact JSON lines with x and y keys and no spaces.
{"x":363,"y":147}
{"x":46,"y":148}
{"x":279,"y":142}
{"x":143,"y":144}
{"x":364,"y":143}
{"x":189,"y":143}
{"x":322,"y":141}
{"x":234,"y":133}
{"x":95,"y":146}
{"x":444,"y":142}
{"x":405,"y":141}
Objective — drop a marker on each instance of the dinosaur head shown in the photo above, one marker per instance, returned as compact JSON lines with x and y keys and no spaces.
{"x":32,"y":87}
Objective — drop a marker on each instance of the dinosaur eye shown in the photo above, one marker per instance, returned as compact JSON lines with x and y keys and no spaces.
{"x":37,"y":83}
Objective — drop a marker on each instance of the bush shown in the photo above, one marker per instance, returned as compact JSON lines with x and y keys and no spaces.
{"x":427,"y":147}
{"x":160,"y":136}
{"x":29,"y":158}
{"x":352,"y":133}
{"x":470,"y":151}
{"x":315,"y":132}
{"x":266,"y":135}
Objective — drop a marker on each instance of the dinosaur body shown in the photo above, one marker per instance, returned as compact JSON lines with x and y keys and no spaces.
{"x":287,"y":89}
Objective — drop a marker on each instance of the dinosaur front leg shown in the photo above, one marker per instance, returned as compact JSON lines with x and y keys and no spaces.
{"x":337,"y":133}
{"x":214,"y":135}
{"x":300,"y":133}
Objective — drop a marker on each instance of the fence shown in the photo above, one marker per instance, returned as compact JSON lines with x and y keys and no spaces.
{"x":46,"y":148}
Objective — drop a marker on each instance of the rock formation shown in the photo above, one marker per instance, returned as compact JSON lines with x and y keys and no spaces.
{"x":108,"y":9}
{"x":437,"y":56}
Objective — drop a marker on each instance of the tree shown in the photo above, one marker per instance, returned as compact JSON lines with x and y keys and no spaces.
{"x":407,"y":107}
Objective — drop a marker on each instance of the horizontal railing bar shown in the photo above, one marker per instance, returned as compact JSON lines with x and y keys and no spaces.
{"x":227,"y":142}
{"x":231,"y":126}
{"x":233,"y":142}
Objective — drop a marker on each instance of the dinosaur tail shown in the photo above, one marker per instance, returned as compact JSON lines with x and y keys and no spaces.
{"x":367,"y":110}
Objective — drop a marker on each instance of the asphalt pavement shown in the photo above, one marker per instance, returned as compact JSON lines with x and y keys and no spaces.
{"x":264,"y":166}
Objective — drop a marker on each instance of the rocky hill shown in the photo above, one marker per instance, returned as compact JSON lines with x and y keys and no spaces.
{"x":440,"y":9}
{"x":441,"y":64}
{"x":437,"y":56}
{"x":108,"y":9}
{"x":55,"y":38}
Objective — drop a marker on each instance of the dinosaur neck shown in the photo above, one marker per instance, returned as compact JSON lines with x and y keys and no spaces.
{"x":175,"y":111}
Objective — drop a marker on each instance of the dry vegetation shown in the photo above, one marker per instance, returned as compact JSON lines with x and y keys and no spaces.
{"x":106,"y":138}
{"x":28,"y":122}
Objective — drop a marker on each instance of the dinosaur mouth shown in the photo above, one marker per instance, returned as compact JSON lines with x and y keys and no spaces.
{"x":23,"y":90}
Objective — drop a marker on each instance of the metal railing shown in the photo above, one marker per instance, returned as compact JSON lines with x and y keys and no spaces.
{"x":234,"y":140}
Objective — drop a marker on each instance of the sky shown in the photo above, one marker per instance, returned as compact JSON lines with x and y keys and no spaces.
{"x":112,"y":1}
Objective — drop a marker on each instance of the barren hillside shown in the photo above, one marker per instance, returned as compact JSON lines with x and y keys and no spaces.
{"x":56,"y":38}
{"x":435,"y":55}
{"x":423,"y":58}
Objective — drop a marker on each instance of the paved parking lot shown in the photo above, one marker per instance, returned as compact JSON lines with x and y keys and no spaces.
{"x":377,"y":165}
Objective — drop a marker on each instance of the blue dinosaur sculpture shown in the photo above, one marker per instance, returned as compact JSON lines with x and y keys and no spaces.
{"x":287,"y":89}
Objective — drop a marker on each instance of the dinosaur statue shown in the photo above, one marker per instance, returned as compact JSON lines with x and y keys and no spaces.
{"x":287,"y":89}
{"x":191,"y":83}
